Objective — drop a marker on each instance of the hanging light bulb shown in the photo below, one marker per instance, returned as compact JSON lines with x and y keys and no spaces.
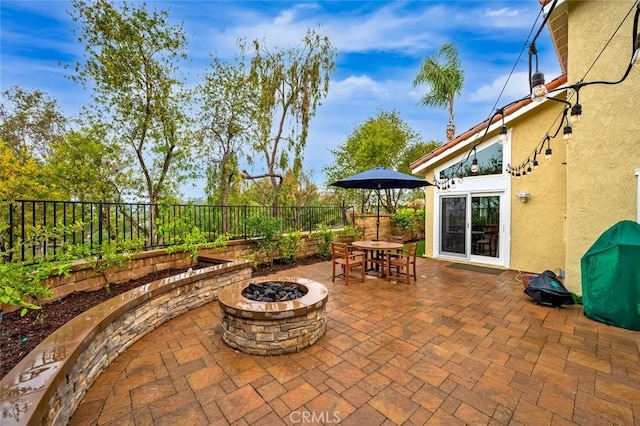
{"x":535,"y":163}
{"x":529,"y":170}
{"x":502,"y":137}
{"x":567,"y":133}
{"x":539,"y":90}
{"x":453,"y":183}
{"x":474,"y":165}
{"x":548,"y":153}
{"x":576,"y":115}
{"x":636,"y":55}
{"x":518,"y":173}
{"x":460,"y":178}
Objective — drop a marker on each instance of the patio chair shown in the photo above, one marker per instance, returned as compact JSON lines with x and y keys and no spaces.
{"x":488,"y":243}
{"x":396,"y":239}
{"x":405,"y":263}
{"x":345,"y":260}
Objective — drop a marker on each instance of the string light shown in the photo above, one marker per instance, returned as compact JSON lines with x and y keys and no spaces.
{"x":576,"y":110}
{"x":548,"y":153}
{"x":474,"y":162}
{"x":540,"y":92}
{"x":567,"y":133}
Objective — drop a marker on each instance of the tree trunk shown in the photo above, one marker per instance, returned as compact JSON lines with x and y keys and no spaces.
{"x":451,"y":131}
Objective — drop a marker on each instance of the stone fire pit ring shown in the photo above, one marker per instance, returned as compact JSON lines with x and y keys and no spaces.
{"x":273,"y":328}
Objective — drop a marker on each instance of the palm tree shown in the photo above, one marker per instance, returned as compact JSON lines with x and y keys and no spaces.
{"x":445,"y":80}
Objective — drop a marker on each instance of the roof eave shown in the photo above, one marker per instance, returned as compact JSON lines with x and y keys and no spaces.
{"x":467,"y":136}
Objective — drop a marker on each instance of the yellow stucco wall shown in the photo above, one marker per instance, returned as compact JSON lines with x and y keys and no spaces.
{"x":537,"y":229}
{"x":601,"y":184}
{"x":537,"y":226}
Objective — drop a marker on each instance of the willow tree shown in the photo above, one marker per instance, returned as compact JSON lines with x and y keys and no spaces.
{"x":131,"y":59}
{"x":227,"y":105}
{"x":444,"y":76}
{"x":291,"y":84}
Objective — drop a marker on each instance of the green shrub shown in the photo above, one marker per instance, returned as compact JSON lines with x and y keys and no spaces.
{"x":289,"y":245}
{"x":402,"y":219}
{"x":409,"y":220}
{"x":268,"y":228}
{"x":21,"y":288}
{"x":323,"y":237}
{"x":350,"y":232}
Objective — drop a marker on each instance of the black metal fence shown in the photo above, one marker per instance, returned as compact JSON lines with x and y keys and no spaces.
{"x":31,"y":228}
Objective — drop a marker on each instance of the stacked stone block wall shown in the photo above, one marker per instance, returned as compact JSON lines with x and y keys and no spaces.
{"x":82,"y":278}
{"x":273,"y":337}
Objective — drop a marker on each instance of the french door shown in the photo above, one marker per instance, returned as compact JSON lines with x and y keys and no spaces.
{"x":470,"y":226}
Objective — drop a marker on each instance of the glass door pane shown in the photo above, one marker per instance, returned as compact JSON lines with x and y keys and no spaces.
{"x":485,"y":225}
{"x":453,"y":224}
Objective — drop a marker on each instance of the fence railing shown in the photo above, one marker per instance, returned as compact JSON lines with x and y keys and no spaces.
{"x":31,"y":228}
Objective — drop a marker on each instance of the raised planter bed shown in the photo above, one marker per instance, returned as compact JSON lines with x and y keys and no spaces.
{"x":47,"y":386}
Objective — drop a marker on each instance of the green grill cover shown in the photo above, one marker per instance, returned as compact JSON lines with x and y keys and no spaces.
{"x":611,"y":277}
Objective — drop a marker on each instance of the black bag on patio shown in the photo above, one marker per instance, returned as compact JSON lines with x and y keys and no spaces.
{"x":546,"y":288}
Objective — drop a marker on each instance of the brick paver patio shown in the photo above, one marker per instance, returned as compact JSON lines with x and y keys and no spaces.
{"x":457,"y":347}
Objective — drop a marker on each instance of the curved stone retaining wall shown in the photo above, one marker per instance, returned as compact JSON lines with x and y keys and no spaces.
{"x":47,"y":386}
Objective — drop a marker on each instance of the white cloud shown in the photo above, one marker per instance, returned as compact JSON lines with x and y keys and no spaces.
{"x":506,"y":17}
{"x":516,"y":88}
{"x":355,"y":86}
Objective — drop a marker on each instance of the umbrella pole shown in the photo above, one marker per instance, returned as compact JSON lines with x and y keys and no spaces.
{"x":378,"y":218}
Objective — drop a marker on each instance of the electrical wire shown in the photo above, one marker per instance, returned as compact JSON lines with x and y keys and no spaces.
{"x":495,"y":112}
{"x":576,"y":87}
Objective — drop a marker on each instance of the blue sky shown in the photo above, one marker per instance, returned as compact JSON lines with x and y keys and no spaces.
{"x":380,"y":47}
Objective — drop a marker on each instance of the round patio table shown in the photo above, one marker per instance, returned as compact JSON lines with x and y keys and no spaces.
{"x":377,"y":254}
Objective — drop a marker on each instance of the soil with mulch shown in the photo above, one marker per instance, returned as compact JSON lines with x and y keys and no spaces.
{"x":20,"y":335}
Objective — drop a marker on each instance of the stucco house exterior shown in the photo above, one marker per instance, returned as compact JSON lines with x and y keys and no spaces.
{"x":549,"y":216}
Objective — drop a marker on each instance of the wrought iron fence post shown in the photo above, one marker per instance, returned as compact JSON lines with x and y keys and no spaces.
{"x":244,"y":221}
{"x":10,"y":231}
{"x":100,"y":223}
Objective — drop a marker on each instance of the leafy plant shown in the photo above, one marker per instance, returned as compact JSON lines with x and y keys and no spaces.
{"x":402,"y":219}
{"x":268,"y":228}
{"x":22,"y":285}
{"x":289,"y":245}
{"x":193,"y":241}
{"x":323,"y":237}
{"x":16,"y":290}
{"x":251,"y":257}
{"x":350,"y":232}
{"x":409,"y":220}
{"x":113,"y":257}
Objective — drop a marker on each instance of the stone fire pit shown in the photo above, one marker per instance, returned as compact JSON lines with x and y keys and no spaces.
{"x":273,"y":328}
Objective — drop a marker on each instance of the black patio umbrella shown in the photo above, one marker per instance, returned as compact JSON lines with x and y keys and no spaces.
{"x":380,"y":178}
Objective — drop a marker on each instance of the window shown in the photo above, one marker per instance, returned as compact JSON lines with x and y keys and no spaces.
{"x":489,"y":163}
